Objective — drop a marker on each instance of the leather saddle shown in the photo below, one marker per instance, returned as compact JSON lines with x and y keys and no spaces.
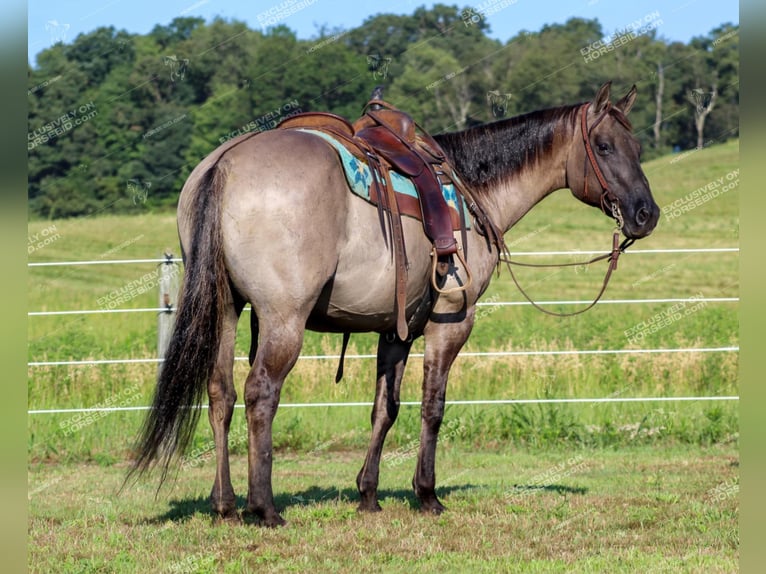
{"x":389,"y":139}
{"x":386,"y":138}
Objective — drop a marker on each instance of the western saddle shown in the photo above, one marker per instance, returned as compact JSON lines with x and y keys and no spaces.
{"x":389,"y":139}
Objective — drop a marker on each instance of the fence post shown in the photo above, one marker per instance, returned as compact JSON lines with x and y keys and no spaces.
{"x":169,"y":272}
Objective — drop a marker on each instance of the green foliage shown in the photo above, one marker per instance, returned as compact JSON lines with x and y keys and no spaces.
{"x":117,"y":121}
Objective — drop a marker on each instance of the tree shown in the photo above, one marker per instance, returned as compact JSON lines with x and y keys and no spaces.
{"x":547,"y":68}
{"x":658,"y":98}
{"x":432,"y":88}
{"x":710,"y":78}
{"x":117,"y":121}
{"x":724,"y":123}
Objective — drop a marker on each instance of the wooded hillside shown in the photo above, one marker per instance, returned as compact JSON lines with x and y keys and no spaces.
{"x":117,"y":121}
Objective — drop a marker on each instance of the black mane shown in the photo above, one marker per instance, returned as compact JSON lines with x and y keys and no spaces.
{"x":487,"y":153}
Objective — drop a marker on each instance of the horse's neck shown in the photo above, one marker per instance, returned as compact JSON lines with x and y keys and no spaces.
{"x":526,"y":162}
{"x":514,"y":196}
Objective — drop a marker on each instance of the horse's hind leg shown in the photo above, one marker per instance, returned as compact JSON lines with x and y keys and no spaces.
{"x":222,"y":396}
{"x":278,"y":349}
{"x":392,"y":358}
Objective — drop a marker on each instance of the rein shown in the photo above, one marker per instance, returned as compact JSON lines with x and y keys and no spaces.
{"x":613,"y":256}
{"x":617,"y":247}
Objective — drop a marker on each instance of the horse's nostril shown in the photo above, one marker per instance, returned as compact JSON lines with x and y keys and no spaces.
{"x":642,"y":216}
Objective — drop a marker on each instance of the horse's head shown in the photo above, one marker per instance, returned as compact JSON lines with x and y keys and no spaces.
{"x":604,"y":169}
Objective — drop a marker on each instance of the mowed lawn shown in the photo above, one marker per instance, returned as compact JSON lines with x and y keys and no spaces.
{"x":591,"y":487}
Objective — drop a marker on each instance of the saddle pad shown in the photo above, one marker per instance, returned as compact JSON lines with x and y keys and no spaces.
{"x":361,"y":183}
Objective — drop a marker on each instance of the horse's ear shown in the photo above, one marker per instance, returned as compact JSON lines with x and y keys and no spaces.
{"x":627,"y":102}
{"x":601,"y":100}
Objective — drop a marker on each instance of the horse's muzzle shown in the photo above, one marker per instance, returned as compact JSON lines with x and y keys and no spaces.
{"x":642,"y":220}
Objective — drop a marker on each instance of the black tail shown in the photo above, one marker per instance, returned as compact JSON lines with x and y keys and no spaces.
{"x":191,"y":354}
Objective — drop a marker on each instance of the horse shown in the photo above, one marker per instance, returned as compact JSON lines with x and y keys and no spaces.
{"x":268,"y":219}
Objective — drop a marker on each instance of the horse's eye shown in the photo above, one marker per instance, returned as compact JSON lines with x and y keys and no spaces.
{"x":604,"y":148}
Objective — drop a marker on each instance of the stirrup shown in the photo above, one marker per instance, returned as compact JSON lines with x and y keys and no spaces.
{"x":461,"y":259}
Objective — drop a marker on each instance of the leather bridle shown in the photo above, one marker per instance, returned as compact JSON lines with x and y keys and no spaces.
{"x":606,"y":198}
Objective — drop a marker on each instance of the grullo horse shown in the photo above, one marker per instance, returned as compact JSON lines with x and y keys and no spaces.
{"x":268,"y":219}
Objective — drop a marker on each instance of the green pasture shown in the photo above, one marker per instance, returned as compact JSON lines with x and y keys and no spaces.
{"x":639,"y":509}
{"x":559,"y":223}
{"x":654,"y":488}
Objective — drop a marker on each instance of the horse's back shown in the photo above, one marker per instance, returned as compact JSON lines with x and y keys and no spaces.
{"x":295,"y":236}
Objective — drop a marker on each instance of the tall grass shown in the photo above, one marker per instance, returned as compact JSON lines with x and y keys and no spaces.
{"x":559,"y":223}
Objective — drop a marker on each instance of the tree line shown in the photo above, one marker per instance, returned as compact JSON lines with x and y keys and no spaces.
{"x":117,"y":121}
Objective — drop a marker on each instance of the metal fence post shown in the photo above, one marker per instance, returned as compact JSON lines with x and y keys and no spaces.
{"x":168,"y":274}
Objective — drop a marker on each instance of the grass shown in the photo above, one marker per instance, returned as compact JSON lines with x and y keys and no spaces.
{"x":559,"y":223}
{"x":646,"y":504}
{"x":640,"y":509}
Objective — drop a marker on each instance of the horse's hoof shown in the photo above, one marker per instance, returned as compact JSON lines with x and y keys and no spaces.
{"x":435,"y":508}
{"x":369,"y":507}
{"x":267,"y":519}
{"x":232,"y":518}
{"x":274,"y":521}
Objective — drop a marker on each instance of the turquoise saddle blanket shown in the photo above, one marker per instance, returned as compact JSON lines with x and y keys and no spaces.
{"x":360,"y":179}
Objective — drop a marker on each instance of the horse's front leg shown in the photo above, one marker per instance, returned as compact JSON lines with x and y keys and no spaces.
{"x":392,"y":358}
{"x":443,"y":342}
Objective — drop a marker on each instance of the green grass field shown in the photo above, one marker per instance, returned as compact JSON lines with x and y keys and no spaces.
{"x":642,"y":509}
{"x":648,"y":506}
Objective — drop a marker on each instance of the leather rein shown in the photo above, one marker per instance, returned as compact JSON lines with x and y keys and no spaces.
{"x":606,"y":198}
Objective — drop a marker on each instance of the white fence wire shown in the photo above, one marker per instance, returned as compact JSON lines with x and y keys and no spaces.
{"x":487,"y":354}
{"x":415,"y":355}
{"x":479,"y":304}
{"x":515,"y":254}
{"x":417,"y":403}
